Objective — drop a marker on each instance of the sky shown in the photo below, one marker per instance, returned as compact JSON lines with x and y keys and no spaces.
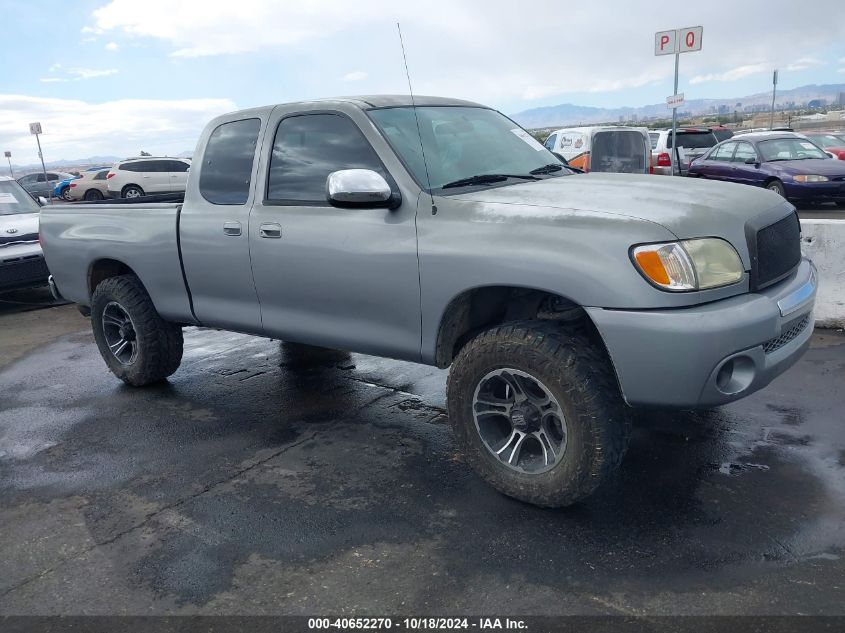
{"x":114,"y":77}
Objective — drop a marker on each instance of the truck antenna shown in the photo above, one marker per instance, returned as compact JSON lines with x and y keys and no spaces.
{"x":416,"y":118}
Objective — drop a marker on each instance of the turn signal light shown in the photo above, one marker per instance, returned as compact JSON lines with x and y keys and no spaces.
{"x":651,"y":265}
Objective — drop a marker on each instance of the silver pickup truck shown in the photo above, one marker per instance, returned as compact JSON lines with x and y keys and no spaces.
{"x":442,"y":233}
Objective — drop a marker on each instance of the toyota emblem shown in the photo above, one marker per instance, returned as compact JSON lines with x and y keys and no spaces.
{"x":11,"y":230}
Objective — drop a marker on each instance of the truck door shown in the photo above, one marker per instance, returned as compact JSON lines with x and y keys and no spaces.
{"x":336,"y":277}
{"x":214,"y":225}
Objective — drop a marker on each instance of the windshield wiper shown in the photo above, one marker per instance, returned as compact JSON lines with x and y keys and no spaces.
{"x":547,"y":169}
{"x":485,"y":179}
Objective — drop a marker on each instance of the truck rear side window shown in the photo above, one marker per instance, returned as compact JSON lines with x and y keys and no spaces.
{"x":226,"y":169}
{"x":308,"y":148}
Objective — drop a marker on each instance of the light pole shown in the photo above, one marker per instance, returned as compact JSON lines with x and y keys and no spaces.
{"x":35,"y":128}
{"x":9,"y":158}
{"x":774,"y":90}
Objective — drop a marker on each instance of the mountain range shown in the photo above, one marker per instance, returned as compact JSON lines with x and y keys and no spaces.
{"x":570,"y":114}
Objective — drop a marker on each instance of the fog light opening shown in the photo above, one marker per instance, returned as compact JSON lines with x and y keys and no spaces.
{"x":735,"y":375}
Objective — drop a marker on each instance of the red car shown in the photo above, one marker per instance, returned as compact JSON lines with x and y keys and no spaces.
{"x":833,"y":143}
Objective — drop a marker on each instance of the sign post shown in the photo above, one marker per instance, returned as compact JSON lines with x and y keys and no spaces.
{"x":9,"y":158}
{"x":35,"y":128}
{"x":675,"y":42}
{"x":774,"y":90}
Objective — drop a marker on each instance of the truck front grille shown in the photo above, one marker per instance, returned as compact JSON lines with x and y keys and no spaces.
{"x":778,"y":251}
{"x":789,"y":333}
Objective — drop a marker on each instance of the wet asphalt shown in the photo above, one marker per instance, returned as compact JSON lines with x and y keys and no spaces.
{"x":267,"y":478}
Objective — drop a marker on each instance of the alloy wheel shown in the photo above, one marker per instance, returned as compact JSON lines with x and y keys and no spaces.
{"x":519,"y":421}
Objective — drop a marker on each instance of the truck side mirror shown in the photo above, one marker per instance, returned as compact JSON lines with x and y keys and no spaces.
{"x":360,"y":188}
{"x":42,"y":201}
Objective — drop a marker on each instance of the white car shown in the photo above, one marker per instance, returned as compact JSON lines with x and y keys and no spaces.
{"x":136,"y":177}
{"x":21,"y":261}
{"x":91,"y":185}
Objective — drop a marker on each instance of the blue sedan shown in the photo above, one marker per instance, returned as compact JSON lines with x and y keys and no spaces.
{"x":786,"y":163}
{"x":62,"y":188}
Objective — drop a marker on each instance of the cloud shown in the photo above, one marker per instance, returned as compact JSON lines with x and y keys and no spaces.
{"x":112,"y":46}
{"x":76,"y":129}
{"x":76,"y":74}
{"x":747,"y":70}
{"x":460,"y":49}
{"x":804,"y":63}
{"x":734,"y":74}
{"x":356,"y":75}
{"x":90,"y":73}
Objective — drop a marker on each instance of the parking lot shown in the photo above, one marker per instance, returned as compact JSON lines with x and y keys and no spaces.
{"x":266,"y":478}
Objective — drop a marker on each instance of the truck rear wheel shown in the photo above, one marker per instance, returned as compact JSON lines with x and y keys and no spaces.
{"x":537,"y":411}
{"x":138,"y":345}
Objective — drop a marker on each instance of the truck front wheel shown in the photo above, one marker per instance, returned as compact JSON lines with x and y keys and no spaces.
{"x":537,"y":411}
{"x":138,"y":345}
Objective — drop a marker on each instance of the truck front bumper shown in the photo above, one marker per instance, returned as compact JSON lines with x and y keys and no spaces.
{"x":710,"y":354}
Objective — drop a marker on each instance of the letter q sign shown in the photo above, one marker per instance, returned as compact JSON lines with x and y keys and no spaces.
{"x":685,"y":40}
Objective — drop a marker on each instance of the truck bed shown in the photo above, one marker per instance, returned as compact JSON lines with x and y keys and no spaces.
{"x":142,"y":235}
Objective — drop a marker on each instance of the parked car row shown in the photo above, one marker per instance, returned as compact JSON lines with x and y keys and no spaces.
{"x":787,"y":163}
{"x":130,"y":178}
{"x":800,"y":167}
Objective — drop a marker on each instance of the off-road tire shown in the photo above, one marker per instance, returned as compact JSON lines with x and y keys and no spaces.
{"x":580,"y":376}
{"x":159,"y":342}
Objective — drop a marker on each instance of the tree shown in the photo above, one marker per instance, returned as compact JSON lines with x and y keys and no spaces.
{"x":143,"y":153}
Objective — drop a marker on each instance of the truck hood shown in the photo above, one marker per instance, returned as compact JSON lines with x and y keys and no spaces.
{"x":686,"y":207}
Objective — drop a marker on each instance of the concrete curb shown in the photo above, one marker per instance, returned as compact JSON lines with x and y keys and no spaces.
{"x":823,"y":241}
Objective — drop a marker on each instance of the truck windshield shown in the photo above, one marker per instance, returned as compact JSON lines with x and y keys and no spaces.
{"x":465,"y":144}
{"x":14,"y":200}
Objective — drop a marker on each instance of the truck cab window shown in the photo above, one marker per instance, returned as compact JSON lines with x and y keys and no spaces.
{"x":308,"y":148}
{"x":226,"y":168}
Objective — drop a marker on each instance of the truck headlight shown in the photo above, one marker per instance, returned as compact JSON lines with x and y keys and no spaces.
{"x":689,"y":264}
{"x":811,"y":178}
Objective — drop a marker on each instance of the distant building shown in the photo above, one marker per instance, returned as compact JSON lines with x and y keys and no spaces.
{"x":816,"y":103}
{"x":841,"y":100}
{"x":723,"y":109}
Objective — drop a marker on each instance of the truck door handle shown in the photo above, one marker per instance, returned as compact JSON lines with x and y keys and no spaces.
{"x":271,"y":230}
{"x":232,"y":228}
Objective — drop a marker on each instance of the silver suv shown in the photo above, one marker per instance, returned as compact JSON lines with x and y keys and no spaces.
{"x":692,"y":141}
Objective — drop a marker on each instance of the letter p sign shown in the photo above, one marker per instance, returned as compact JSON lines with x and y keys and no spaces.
{"x":666,"y":43}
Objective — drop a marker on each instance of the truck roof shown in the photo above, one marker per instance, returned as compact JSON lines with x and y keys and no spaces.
{"x":368,"y":102}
